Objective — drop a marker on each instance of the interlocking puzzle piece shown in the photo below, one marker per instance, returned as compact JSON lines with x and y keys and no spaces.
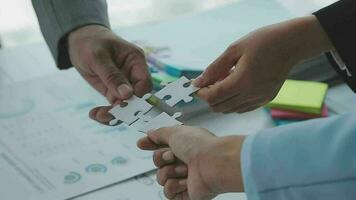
{"x":177,"y":91}
{"x":145,"y":123}
{"x":129,"y":110}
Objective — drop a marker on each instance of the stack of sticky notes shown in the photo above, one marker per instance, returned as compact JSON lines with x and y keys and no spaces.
{"x":299,"y":100}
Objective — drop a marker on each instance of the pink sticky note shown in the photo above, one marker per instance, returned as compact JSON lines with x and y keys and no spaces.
{"x":286,"y":114}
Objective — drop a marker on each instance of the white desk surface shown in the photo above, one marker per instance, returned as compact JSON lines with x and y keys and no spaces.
{"x":32,"y":61}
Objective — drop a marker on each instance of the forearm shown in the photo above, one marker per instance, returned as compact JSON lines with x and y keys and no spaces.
{"x":306,"y":38}
{"x":309,"y":160}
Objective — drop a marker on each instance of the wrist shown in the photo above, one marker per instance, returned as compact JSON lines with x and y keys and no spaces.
{"x":80,"y":39}
{"x":227,"y":172}
{"x":310,"y":38}
{"x":87,"y":29}
{"x":233,"y":144}
{"x":84,"y":32}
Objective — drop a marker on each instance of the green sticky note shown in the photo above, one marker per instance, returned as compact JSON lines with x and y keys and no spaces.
{"x":302,"y":96}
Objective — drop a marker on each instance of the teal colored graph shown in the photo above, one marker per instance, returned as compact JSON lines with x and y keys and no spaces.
{"x":119,"y":160}
{"x":72,"y":177}
{"x":96,"y":169}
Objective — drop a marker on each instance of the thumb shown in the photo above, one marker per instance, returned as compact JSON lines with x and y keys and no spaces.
{"x":161,"y":136}
{"x":113,"y":78}
{"x":220,"y":68}
{"x":164,"y":136}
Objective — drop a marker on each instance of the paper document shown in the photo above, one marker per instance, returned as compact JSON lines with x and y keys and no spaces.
{"x":143,"y":187}
{"x":50,"y":149}
{"x":25,"y":62}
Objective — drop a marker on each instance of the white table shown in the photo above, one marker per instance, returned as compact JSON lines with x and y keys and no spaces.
{"x":32,"y":61}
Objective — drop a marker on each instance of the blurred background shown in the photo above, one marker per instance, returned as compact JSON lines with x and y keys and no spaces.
{"x":18,"y":23}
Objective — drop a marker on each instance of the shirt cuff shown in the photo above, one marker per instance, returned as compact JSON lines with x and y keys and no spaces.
{"x":250,"y":185}
{"x":58,"y":18}
{"x":338,"y":60}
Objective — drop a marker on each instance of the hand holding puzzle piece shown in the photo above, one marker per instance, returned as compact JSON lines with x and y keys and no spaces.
{"x":134,"y":110}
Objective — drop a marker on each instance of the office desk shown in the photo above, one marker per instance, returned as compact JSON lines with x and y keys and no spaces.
{"x":17,"y":64}
{"x":32,"y":61}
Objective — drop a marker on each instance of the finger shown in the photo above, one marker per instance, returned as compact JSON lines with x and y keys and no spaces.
{"x":237,"y":82}
{"x":101,"y":114}
{"x":146,"y":143}
{"x":163,"y":156}
{"x":217,"y":93}
{"x":171,"y":172}
{"x":112,"y":76}
{"x":182,"y":196}
{"x":178,"y":196}
{"x":110,"y":96}
{"x":140,"y":77}
{"x":134,"y":62}
{"x":143,"y":86}
{"x":220,"y":68}
{"x":95,"y":82}
{"x":226,"y":105}
{"x":235,"y":102}
{"x":185,"y":195}
{"x":98,"y":85}
{"x":162,"y":135}
{"x":174,"y":187}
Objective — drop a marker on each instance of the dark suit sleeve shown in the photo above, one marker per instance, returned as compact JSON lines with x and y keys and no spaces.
{"x":57,"y":18}
{"x":339,"y":22}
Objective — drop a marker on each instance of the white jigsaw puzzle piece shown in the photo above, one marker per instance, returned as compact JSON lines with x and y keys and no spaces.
{"x":179,"y":90}
{"x":128,"y":113}
{"x":145,"y":123}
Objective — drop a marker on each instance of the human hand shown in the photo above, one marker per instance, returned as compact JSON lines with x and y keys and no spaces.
{"x":114,"y":67}
{"x":193,"y":163}
{"x":252,"y":70}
